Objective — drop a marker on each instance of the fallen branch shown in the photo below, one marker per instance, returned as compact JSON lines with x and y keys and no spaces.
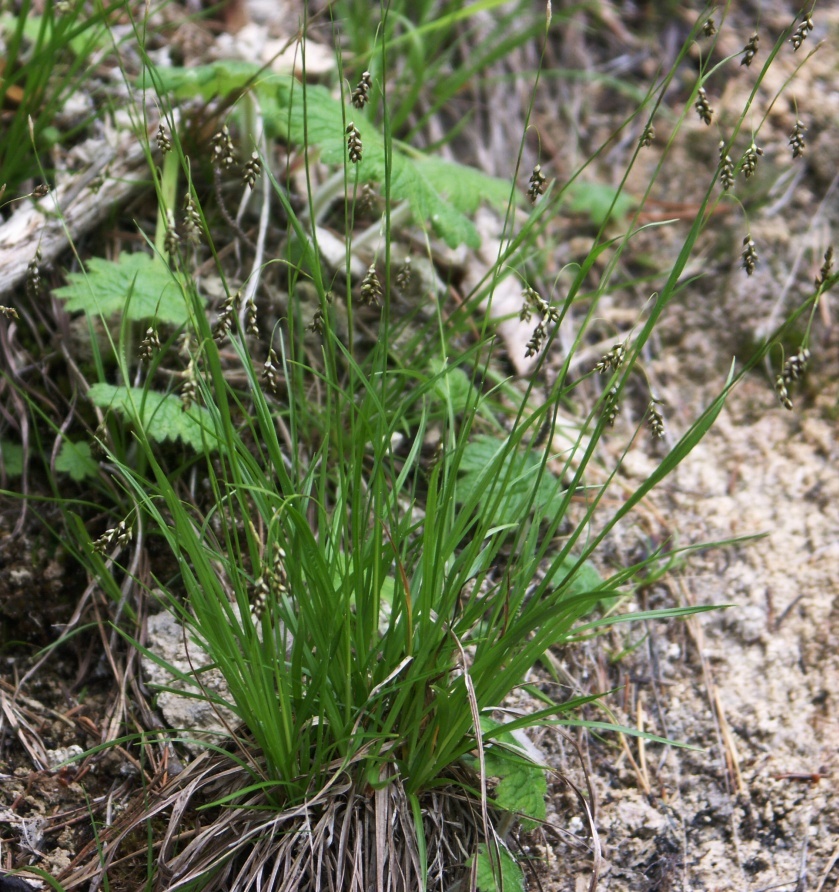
{"x":74,"y":208}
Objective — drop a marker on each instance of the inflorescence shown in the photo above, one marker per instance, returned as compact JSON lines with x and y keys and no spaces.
{"x":750,"y":50}
{"x":800,"y":33}
{"x":536,"y":186}
{"x":703,"y":107}
{"x":793,"y":369}
{"x":361,"y":94}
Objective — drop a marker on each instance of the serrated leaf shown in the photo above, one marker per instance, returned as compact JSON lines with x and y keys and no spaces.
{"x":511,"y":878}
{"x":465,"y":187}
{"x":600,"y":201}
{"x":585,"y":579}
{"x":452,"y":385}
{"x":143,"y":287}
{"x":438,"y":192}
{"x":205,"y":81}
{"x":12,"y":458}
{"x":522,"y":786}
{"x":518,"y":473}
{"x":75,"y":459}
{"x":162,"y":415}
{"x":222,"y":78}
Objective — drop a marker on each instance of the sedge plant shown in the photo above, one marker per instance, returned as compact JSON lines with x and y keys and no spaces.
{"x":375,"y":535}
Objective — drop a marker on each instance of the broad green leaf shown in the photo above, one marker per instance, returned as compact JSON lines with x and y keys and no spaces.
{"x":511,"y":878}
{"x":44,"y":34}
{"x":140,"y":286}
{"x":203,"y":81}
{"x":522,"y":786}
{"x":12,"y":458}
{"x":163,"y":415}
{"x":586,"y":579}
{"x":439,"y":192}
{"x":453,"y":385}
{"x":221,"y":78}
{"x":465,"y":187}
{"x":518,"y":474}
{"x":75,"y":459}
{"x":600,"y":201}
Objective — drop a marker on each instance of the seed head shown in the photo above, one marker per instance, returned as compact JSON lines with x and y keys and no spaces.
{"x":119,"y":535}
{"x":750,"y":50}
{"x":709,"y":29}
{"x":34,"y":284}
{"x":149,"y":345}
{"x":227,"y":313}
{"x":221,"y":146}
{"x":258,"y":596}
{"x":611,"y":408}
{"x":536,"y":185}
{"x":252,"y":169}
{"x":354,"y":146}
{"x":612,"y":360}
{"x":278,"y":575}
{"x":703,"y":107}
{"x":171,"y":240}
{"x":319,"y":319}
{"x":366,"y":200}
{"x":534,"y":301}
{"x":191,"y":221}
{"x":101,"y":436}
{"x":749,"y":255}
{"x":647,"y":136}
{"x":796,"y":139}
{"x":405,"y":275}
{"x":163,"y":141}
{"x":726,"y":168}
{"x":783,"y":393}
{"x":654,"y":418}
{"x":792,"y":371}
{"x":361,"y":94}
{"x":189,"y":389}
{"x":749,"y":163}
{"x":827,"y":267}
{"x":795,"y":366}
{"x":800,"y":33}
{"x":270,"y":375}
{"x":251,"y":322}
{"x":371,"y":288}
{"x":537,"y":340}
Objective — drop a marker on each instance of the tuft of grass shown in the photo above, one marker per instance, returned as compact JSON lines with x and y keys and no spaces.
{"x":369,"y":531}
{"x":46,"y":59}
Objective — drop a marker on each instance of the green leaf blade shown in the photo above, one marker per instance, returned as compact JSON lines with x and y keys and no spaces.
{"x":76,"y":460}
{"x":140,"y":286}
{"x":161,"y":415}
